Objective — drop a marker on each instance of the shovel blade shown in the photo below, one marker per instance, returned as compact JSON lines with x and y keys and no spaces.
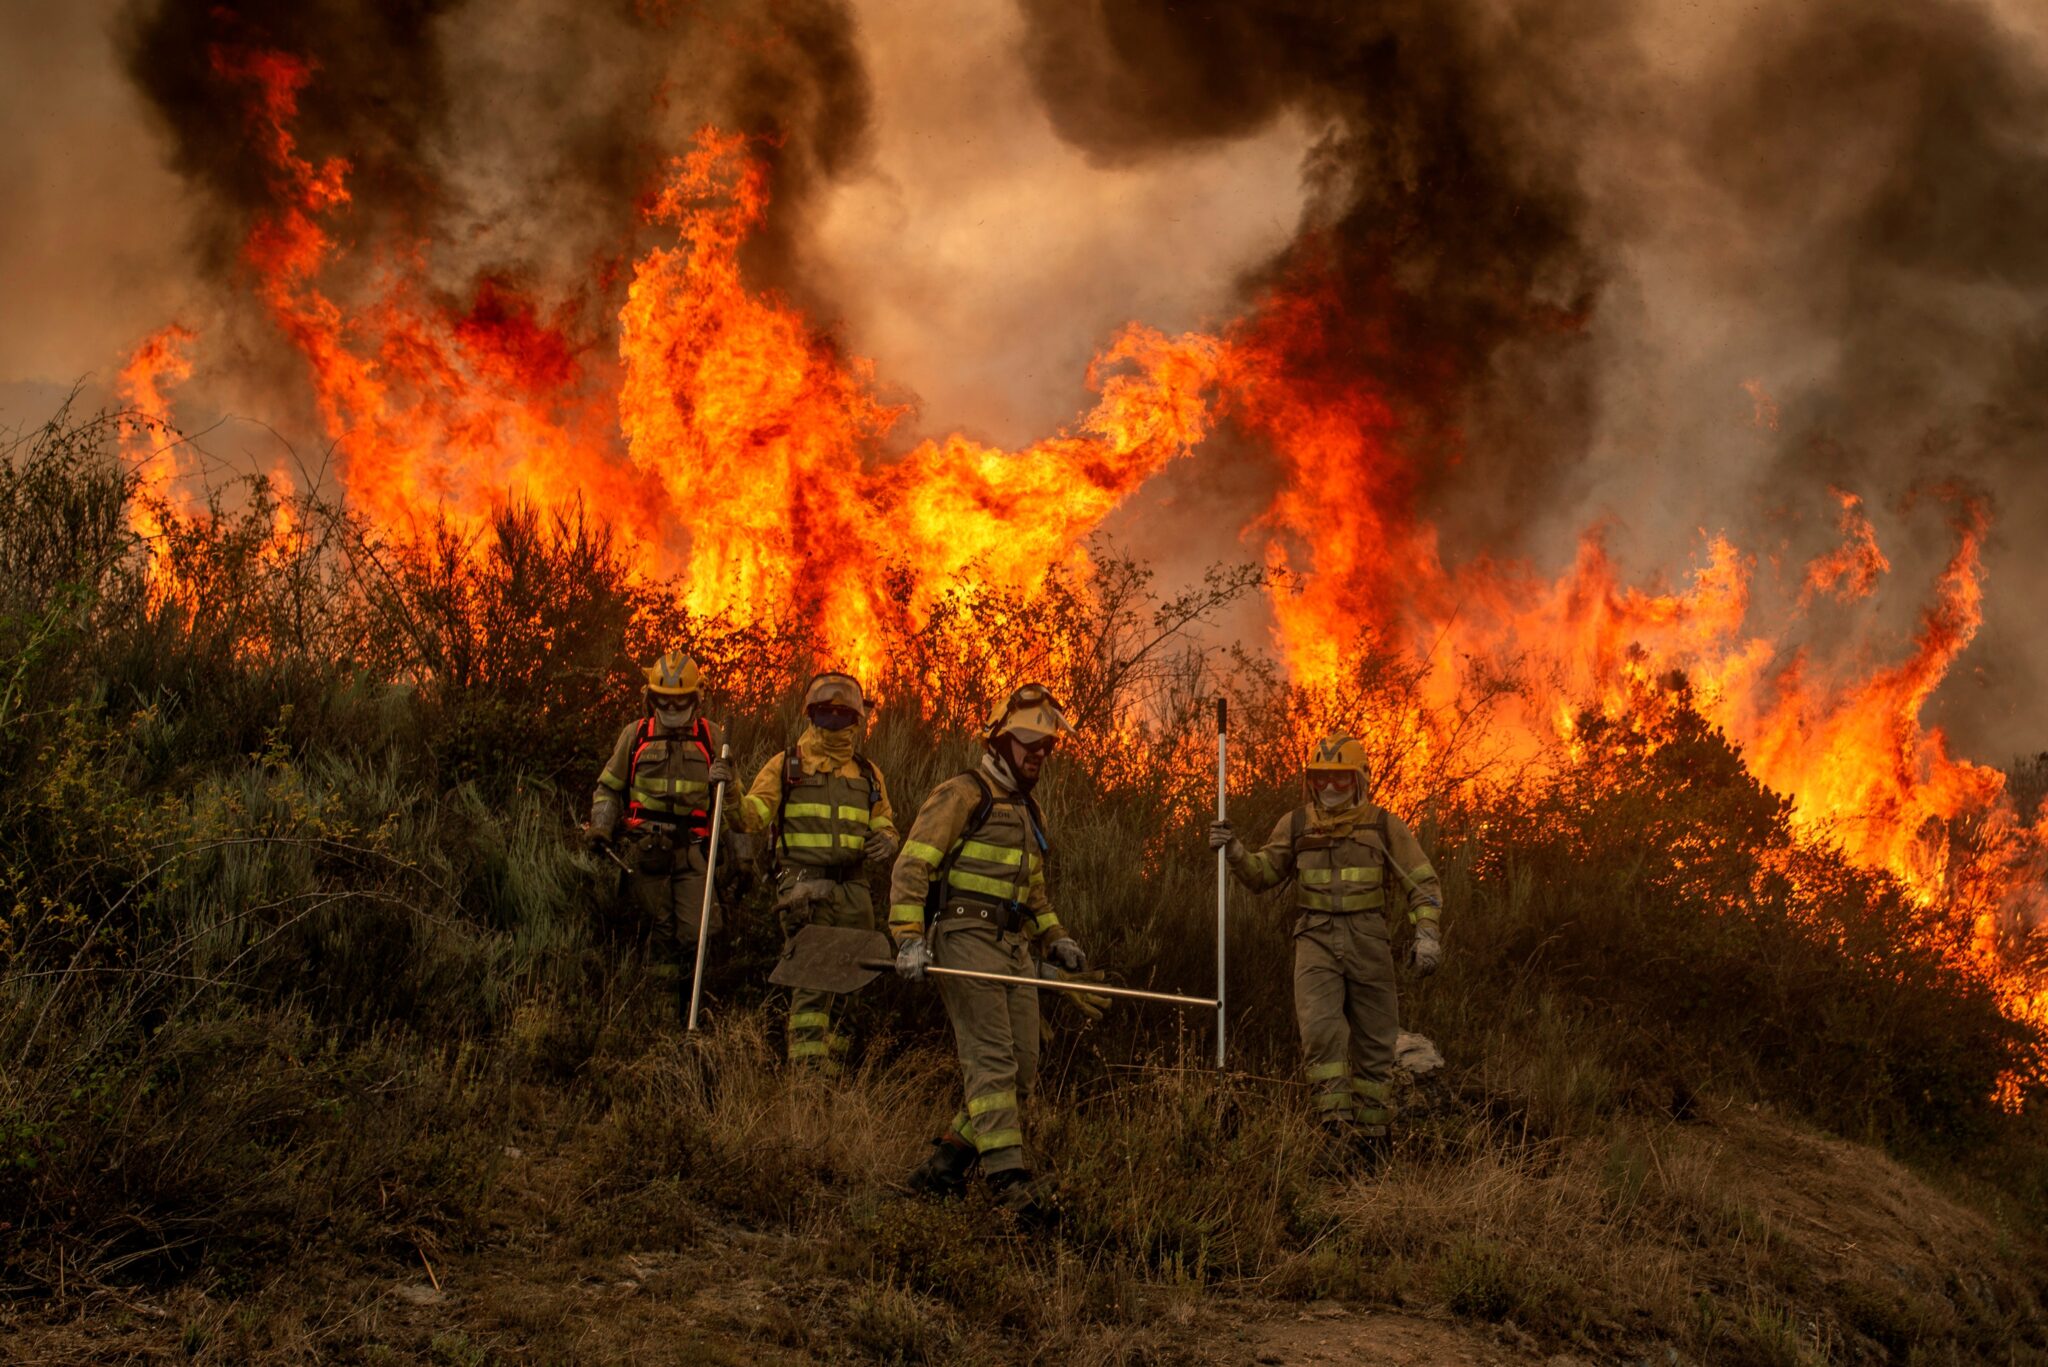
{"x":827,"y":958}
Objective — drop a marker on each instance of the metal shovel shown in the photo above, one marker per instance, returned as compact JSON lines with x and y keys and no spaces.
{"x":842,"y":959}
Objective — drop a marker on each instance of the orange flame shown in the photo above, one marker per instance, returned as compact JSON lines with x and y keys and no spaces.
{"x":749,"y":459}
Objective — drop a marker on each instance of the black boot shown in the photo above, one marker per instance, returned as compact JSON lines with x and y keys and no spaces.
{"x":944,"y":1173}
{"x":1017,"y":1192}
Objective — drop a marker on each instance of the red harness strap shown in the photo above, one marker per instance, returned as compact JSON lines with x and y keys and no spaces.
{"x":698,"y":821}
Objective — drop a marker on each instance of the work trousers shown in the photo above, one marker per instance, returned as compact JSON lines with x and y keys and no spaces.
{"x":995,"y":1031}
{"x":848,"y":905}
{"x":1349,"y":1015}
{"x":669,"y":907}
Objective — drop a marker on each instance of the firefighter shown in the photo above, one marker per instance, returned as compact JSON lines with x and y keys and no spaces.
{"x":969,"y":892}
{"x":828,"y":814}
{"x":654,"y":800}
{"x":1344,"y":855}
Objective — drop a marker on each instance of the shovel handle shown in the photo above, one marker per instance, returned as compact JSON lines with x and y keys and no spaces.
{"x":1091,"y":989}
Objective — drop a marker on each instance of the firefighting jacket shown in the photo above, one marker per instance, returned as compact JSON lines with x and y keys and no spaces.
{"x":998,"y":865}
{"x":821,"y":809}
{"x":1348,"y":867}
{"x":663,"y":778}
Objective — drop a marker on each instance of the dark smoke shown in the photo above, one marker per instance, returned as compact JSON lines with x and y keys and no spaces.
{"x":1847,"y":200}
{"x":517,"y":136}
{"x":1446,"y":221}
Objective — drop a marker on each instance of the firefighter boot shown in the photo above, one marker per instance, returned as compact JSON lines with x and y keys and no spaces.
{"x":944,"y":1173}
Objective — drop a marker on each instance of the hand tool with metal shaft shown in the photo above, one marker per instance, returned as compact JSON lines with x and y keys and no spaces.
{"x":710,"y":891}
{"x":846,"y":959}
{"x":1222,"y":875}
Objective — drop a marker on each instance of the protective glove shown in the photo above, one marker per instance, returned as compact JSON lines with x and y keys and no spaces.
{"x":1067,"y":954}
{"x":1088,"y":1004}
{"x":1223,"y":836}
{"x":804,"y":893}
{"x":721,"y":772}
{"x":596,"y":839}
{"x":882,"y":846}
{"x":1427,"y":953}
{"x":912,"y":960}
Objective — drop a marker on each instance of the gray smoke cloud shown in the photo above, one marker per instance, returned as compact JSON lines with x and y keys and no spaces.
{"x":1567,"y":235}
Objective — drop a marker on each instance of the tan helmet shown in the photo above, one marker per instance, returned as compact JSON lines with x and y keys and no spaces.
{"x":1340,"y":754}
{"x":674,"y":675}
{"x":1031,"y":714}
{"x":840,"y":690}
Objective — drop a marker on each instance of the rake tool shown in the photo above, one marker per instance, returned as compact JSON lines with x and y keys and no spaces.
{"x":710,"y":891}
{"x":846,"y":959}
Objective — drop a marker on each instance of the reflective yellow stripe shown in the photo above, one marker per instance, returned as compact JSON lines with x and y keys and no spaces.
{"x":1259,"y":869}
{"x":605,"y":780}
{"x":853,"y":814}
{"x":1371,"y":1115}
{"x":876,"y":821}
{"x":758,"y":807}
{"x":906,"y":913}
{"x":1044,"y":923}
{"x":1378,"y":1091}
{"x":991,"y":854}
{"x":1323,"y":1072}
{"x":808,"y":1048}
{"x":974,"y":882}
{"x":1317,"y":876}
{"x":803,"y":809}
{"x":809,"y":1020}
{"x":1001,"y":1139}
{"x":804,"y":840}
{"x":1333,"y":1101}
{"x":1419,"y":873}
{"x":993,"y":1101}
{"x":1368,"y":874}
{"x":918,"y":850}
{"x":1425,"y":912}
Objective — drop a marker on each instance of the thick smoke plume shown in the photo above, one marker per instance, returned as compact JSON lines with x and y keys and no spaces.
{"x":1558,"y":237}
{"x":521,"y":132}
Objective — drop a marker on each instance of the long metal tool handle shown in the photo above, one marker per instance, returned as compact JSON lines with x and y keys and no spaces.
{"x":710,"y":891}
{"x":1222,"y":870}
{"x":1050,"y":985}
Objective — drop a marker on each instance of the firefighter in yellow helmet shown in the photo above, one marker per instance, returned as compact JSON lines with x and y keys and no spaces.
{"x":654,"y":801}
{"x":1345,"y":854}
{"x":969,"y":892}
{"x":828,"y":811}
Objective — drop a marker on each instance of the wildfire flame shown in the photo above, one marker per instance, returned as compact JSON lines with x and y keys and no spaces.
{"x":736,"y":448}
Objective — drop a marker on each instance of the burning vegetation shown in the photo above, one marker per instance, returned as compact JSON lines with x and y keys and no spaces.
{"x":295,"y":955}
{"x":747,"y":462}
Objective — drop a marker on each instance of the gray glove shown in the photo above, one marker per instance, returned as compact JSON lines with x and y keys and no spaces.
{"x":804,"y":891}
{"x":882,"y":846}
{"x":596,"y":839}
{"x":721,"y":772}
{"x":1067,"y":954}
{"x":1223,"y":836}
{"x":1427,"y":953}
{"x":912,"y":960}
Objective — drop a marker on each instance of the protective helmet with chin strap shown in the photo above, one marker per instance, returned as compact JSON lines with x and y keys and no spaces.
{"x":1339,"y":754}
{"x":1031,"y":714}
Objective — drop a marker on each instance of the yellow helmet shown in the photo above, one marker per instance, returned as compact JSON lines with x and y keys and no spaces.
{"x":1340,"y":754}
{"x":1031,"y":714}
{"x":840,"y":690}
{"x":674,"y":675}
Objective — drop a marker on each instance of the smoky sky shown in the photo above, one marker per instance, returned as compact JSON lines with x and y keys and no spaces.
{"x":1566,"y":235}
{"x":1561,"y":237}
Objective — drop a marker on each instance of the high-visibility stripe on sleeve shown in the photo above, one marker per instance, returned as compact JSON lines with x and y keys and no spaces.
{"x":1044,"y":923}
{"x":608,"y":779}
{"x":906,"y":914}
{"x":758,"y":807}
{"x":923,"y":853}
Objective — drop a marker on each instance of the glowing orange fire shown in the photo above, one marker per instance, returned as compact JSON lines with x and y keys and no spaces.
{"x":734,"y":446}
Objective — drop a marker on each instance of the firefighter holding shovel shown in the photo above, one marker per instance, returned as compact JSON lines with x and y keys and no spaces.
{"x":829,"y":814}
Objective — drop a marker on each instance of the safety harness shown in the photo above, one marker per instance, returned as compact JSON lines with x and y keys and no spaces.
{"x":1009,"y":912}
{"x":793,"y":774}
{"x":697,"y":821}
